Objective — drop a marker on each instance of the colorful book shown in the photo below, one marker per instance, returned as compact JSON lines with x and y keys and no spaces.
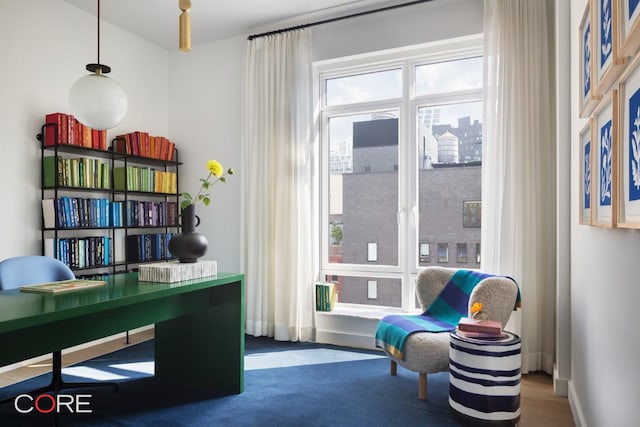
{"x":63,"y":286}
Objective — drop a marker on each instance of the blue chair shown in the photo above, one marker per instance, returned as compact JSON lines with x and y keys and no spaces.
{"x":31,"y":269}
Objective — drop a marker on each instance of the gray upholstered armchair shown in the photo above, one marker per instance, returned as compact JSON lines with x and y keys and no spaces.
{"x":428,"y":352}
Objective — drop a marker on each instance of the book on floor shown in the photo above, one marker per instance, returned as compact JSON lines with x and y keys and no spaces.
{"x":63,"y":286}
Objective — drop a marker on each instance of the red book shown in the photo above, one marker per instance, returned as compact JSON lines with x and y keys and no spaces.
{"x":95,"y":139}
{"x":481,"y":326}
{"x":50,"y":131}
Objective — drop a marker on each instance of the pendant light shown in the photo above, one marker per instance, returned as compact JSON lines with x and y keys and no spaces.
{"x":185,"y":25}
{"x":96,"y":100}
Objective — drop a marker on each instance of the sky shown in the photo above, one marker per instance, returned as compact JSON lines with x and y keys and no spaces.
{"x":430,"y":79}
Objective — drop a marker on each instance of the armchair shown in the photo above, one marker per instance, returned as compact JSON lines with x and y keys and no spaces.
{"x":28,"y":270}
{"x":428,"y":352}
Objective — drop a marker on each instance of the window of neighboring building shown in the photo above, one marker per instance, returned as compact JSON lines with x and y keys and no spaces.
{"x":401,"y":147}
{"x":471,"y":214}
{"x":461,"y":253}
{"x":424,"y":252}
{"x":372,"y":289}
{"x":443,"y":252}
{"x":477,"y":253}
{"x":372,"y":252}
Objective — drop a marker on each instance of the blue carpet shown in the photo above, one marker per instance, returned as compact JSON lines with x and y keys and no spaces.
{"x":320,"y":385}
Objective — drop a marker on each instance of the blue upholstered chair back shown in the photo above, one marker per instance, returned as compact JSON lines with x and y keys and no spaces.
{"x":31,"y":269}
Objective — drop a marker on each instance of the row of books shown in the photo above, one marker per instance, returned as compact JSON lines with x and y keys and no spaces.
{"x":142,"y":144}
{"x":134,"y":178}
{"x":148,"y":247}
{"x":325,"y":296}
{"x":81,"y":252}
{"x":68,"y":130}
{"x":81,"y":172}
{"x":142,"y":213}
{"x":78,"y":212}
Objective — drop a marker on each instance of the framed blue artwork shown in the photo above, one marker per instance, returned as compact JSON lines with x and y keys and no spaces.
{"x":629,"y":12}
{"x":585,"y":175}
{"x":604,"y":150}
{"x":629,"y":153}
{"x":588,"y":98}
{"x":606,"y":32}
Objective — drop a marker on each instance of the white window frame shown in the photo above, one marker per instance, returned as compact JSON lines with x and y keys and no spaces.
{"x":407,"y":218}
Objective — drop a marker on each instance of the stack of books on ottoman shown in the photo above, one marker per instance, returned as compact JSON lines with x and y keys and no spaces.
{"x":484,"y":329}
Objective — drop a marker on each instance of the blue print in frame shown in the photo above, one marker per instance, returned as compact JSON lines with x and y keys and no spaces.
{"x":586,"y":66}
{"x":634,"y":145}
{"x":606,"y":45}
{"x":605,"y":164}
{"x":586,"y":179}
{"x":633,"y":5}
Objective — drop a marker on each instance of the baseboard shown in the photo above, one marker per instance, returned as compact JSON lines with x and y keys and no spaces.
{"x":345,"y":339}
{"x":560,"y":385}
{"x":89,"y":344}
{"x":576,"y":409}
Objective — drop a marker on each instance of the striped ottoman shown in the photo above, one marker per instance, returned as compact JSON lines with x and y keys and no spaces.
{"x":484,"y":378}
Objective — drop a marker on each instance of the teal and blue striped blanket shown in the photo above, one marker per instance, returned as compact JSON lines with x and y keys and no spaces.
{"x":441,"y":316}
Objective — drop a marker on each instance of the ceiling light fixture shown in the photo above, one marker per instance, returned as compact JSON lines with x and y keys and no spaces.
{"x":185,"y":25}
{"x":96,"y":100}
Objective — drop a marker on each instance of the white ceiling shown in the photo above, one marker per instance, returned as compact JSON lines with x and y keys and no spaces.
{"x":157,"y":20}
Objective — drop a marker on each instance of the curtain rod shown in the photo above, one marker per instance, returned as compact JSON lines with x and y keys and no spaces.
{"x":340,"y":18}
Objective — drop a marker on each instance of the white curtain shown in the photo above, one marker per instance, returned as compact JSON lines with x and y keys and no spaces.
{"x":279,"y":215}
{"x":518,"y":187}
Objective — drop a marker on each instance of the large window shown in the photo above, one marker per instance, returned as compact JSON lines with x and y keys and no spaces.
{"x":401,"y":140}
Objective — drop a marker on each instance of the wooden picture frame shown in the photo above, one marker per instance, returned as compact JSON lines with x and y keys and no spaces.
{"x":629,"y":18}
{"x":629,"y":148}
{"x":604,"y":150}
{"x":588,"y":98}
{"x":608,"y":62}
{"x":585,"y":177}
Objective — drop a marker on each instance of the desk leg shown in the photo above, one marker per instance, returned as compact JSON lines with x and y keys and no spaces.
{"x":205,"y":347}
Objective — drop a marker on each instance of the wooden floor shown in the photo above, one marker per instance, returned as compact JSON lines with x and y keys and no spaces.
{"x":538,"y":405}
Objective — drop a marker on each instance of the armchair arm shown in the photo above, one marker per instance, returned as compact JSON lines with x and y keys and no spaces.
{"x":498,"y":297}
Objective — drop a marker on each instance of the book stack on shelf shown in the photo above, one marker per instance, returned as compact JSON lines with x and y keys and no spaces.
{"x":482,"y":329}
{"x":79,"y":172}
{"x":146,"y":179}
{"x":148,"y":247}
{"x":144,"y":145}
{"x":71,"y":132}
{"x":325,"y":296}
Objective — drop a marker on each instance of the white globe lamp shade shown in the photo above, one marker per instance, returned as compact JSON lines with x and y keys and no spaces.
{"x":98,"y":101}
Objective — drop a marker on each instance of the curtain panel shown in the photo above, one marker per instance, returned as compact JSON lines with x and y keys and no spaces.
{"x":518,"y":188}
{"x":279,"y":246}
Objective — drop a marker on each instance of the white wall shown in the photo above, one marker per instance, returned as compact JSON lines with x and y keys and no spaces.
{"x":605,"y":293}
{"x":204,"y":120}
{"x":45,"y":47}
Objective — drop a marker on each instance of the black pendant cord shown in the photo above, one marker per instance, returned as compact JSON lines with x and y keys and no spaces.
{"x":339,"y":18}
{"x":98,"y":68}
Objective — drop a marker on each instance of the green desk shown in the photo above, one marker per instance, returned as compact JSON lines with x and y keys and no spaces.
{"x":199,"y":324}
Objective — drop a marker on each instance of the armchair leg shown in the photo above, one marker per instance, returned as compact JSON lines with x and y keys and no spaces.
{"x":422,"y":386}
{"x":393,"y":368}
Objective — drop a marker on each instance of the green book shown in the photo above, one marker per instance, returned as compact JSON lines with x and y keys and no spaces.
{"x":49,"y":171}
{"x":120,"y":178}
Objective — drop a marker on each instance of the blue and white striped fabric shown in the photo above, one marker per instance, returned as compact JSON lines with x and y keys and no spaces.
{"x":484,"y":377}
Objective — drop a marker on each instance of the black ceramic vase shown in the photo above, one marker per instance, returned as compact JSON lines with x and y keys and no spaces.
{"x":189,"y":245}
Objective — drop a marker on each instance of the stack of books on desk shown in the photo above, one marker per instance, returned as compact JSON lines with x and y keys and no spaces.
{"x":472,"y":328}
{"x":174,"y":271}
